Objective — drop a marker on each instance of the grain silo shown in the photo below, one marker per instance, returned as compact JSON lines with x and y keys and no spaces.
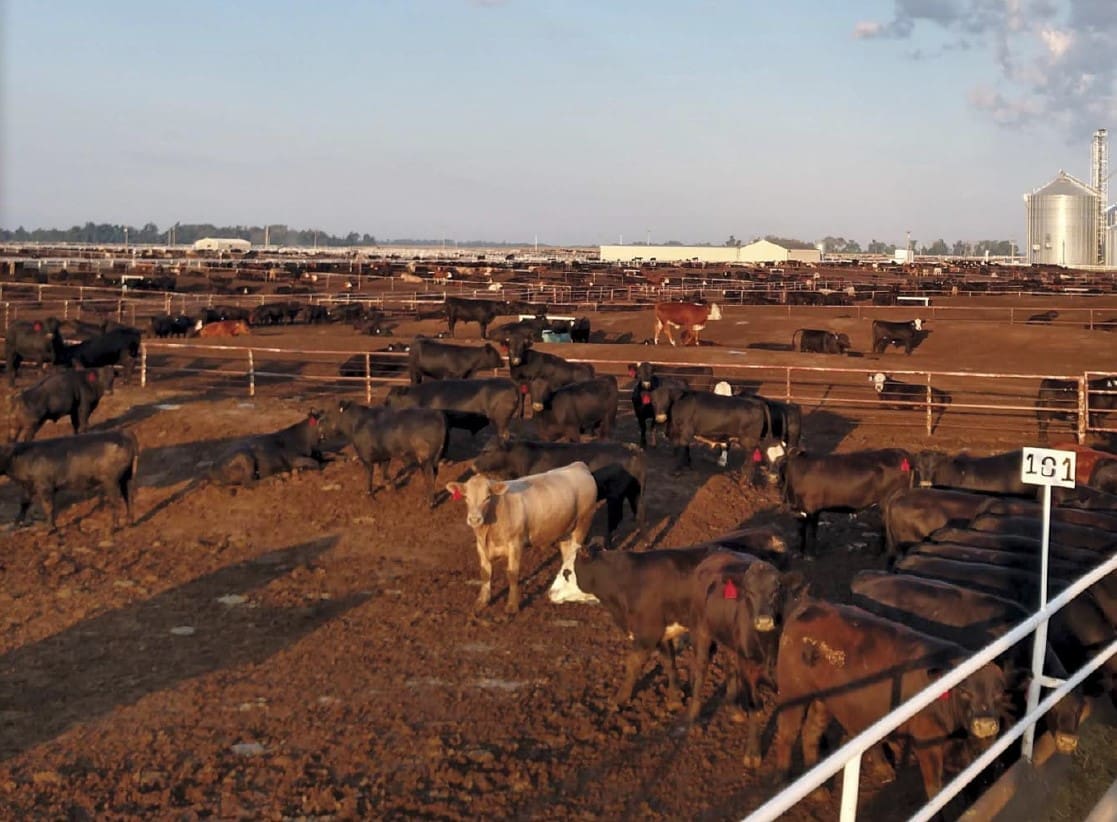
{"x":1063,"y":223}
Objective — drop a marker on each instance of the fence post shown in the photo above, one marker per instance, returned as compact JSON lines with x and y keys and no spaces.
{"x":167,"y":303}
{"x":851,"y":779}
{"x":1091,"y":319}
{"x":251,"y":375}
{"x":929,"y":403}
{"x":143,"y":365}
{"x":1083,"y":409}
{"x":368,"y":377}
{"x":65,"y":309}
{"x":787,"y":385}
{"x":120,"y":311}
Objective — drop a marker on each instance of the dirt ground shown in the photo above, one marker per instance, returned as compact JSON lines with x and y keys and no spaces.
{"x":299,"y":650}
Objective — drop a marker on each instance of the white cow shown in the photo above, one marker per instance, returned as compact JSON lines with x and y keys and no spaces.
{"x":540,"y":510}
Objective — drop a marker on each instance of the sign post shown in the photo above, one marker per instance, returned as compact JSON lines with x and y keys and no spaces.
{"x":1046,"y":467}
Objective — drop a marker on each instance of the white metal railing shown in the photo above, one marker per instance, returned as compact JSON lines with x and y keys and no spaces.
{"x":848,"y":757}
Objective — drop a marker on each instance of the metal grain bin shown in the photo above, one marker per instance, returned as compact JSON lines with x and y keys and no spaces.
{"x":1062,"y":223}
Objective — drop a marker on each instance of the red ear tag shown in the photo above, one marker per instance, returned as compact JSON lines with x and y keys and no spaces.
{"x":646,"y":398}
{"x":523,"y":389}
{"x":91,"y":377}
{"x":730,"y":591}
{"x":945,"y":695}
{"x":38,"y":326}
{"x":757,"y":456}
{"x":456,"y":495}
{"x":632,"y":372}
{"x":905,"y":465}
{"x":311,"y":421}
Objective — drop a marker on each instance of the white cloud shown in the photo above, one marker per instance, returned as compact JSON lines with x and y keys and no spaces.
{"x":1058,"y":42}
{"x":867,"y":28}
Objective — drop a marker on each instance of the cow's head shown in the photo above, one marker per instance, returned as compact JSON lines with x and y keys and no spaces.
{"x":643,"y":374}
{"x":978,"y":700}
{"x":879,"y":380}
{"x":917,"y":324}
{"x":663,"y":397}
{"x":480,"y":495}
{"x":517,"y":345}
{"x":492,"y":358}
{"x":493,"y":461}
{"x":844,"y":344}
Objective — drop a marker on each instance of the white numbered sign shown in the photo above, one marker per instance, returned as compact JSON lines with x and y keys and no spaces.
{"x":1047,"y":466}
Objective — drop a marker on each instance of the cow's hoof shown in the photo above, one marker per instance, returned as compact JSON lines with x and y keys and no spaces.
{"x":751,"y":761}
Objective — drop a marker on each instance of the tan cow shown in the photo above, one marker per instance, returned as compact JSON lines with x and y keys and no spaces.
{"x":221,"y":328}
{"x":690,"y":317}
{"x":555,"y":506}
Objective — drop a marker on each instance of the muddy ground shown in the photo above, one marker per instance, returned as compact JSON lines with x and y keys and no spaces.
{"x":298,"y":650}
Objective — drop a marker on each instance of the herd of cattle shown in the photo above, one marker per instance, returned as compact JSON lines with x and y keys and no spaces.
{"x":961,"y":532}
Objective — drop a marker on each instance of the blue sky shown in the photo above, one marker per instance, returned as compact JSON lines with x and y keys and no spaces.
{"x":577,"y":122}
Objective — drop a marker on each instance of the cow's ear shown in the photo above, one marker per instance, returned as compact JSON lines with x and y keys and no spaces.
{"x":795,"y":585}
{"x":498,"y":488}
{"x":455,"y":490}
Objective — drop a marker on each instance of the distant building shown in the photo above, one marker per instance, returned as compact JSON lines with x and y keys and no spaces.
{"x":1062,"y":221}
{"x":761,"y":251}
{"x":222,"y":244}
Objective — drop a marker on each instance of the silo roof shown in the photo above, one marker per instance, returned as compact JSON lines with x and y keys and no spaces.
{"x":1066,"y":185}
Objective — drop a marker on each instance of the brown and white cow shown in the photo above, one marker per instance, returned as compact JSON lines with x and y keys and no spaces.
{"x":221,"y":328}
{"x":555,"y":506}
{"x":690,"y":317}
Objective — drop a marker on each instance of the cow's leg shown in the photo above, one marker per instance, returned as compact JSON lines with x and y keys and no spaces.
{"x":930,"y":767}
{"x":655,"y":338}
{"x":667,"y":330}
{"x":514,"y":556}
{"x":698,"y":667}
{"x":642,"y":424}
{"x":749,"y":672}
{"x":430,"y":472}
{"x":789,"y":720}
{"x":818,"y":718}
{"x":485,"y":593}
{"x":371,"y":490}
{"x":48,"y":503}
{"x":666,"y":650}
{"x":111,"y":492}
{"x":25,"y":496}
{"x":615,"y":511}
{"x":633,"y":664}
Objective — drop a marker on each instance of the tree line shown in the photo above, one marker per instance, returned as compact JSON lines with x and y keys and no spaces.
{"x":182,"y":234}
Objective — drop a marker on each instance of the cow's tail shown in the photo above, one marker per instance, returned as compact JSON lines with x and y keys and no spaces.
{"x":641,"y":465}
{"x":797,"y":339}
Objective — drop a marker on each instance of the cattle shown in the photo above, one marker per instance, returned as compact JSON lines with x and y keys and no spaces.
{"x":274,"y":313}
{"x":539,"y":510}
{"x":972,"y":620}
{"x":818,"y":341}
{"x":710,"y":418}
{"x":910,"y":515}
{"x":1104,"y":476}
{"x":439,"y":361}
{"x":908,"y":396}
{"x":619,"y":469}
{"x":531,"y":329}
{"x":994,"y":474}
{"x":526,"y":364}
{"x":1085,"y":462}
{"x":105,"y":460}
{"x":65,"y":393}
{"x":314,"y":314}
{"x":841,"y":482}
{"x":697,"y":377}
{"x":495,"y":398}
{"x":738,"y":602}
{"x":37,"y":341}
{"x":690,"y":317}
{"x":120,"y":346}
{"x":841,"y":662}
{"x":1084,"y":498}
{"x":589,"y":406}
{"x":250,"y":459}
{"x":221,"y":328}
{"x":221,"y":313}
{"x":1044,"y":317}
{"x":1082,"y":558}
{"x":1058,"y":400}
{"x":887,"y":333}
{"x":483,"y":312}
{"x":378,"y":435}
{"x":649,"y":597}
{"x":1011,"y":583}
{"x":580,"y":330}
{"x":165,"y":325}
{"x":379,"y":363}
{"x":1001,"y":506}
{"x":1079,"y":536}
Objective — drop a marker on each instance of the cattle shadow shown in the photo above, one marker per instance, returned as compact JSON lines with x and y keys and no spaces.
{"x":138,"y":413}
{"x":771,"y":346}
{"x":118,"y":658}
{"x":824,"y":431}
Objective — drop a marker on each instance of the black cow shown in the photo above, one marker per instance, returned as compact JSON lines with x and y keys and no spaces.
{"x":910,"y":515}
{"x":818,"y":341}
{"x":972,"y":620}
{"x":220,"y":313}
{"x":1058,"y":400}
{"x":483,"y":312}
{"x":165,"y":325}
{"x":65,"y":393}
{"x":32,"y":340}
{"x":841,"y":482}
{"x":995,"y":474}
{"x":440,"y":361}
{"x":908,"y":396}
{"x":1104,"y":476}
{"x":254,"y":458}
{"x":271,"y":313}
{"x":580,"y":330}
{"x":105,"y":460}
{"x":314,"y":314}
{"x":531,"y":329}
{"x":619,"y":469}
{"x":564,"y":413}
{"x":887,"y":333}
{"x":496,"y":398}
{"x":1079,"y":536}
{"x":710,"y":418}
{"x":649,"y":597}
{"x":120,"y":346}
{"x":415,"y":435}
{"x":526,"y":364}
{"x":697,"y":377}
